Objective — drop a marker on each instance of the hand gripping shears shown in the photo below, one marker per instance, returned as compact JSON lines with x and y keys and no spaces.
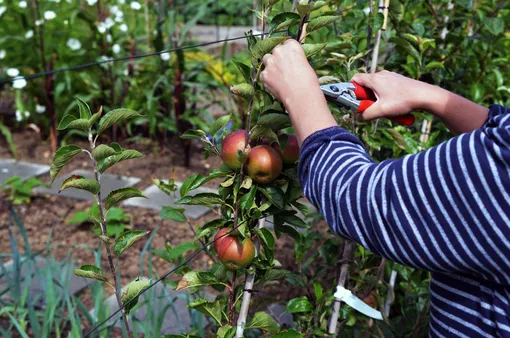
{"x":356,"y":98}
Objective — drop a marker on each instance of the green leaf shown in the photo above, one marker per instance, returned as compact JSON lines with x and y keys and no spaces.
{"x":116,"y":116}
{"x":196,"y":279}
{"x":320,"y":22}
{"x":168,"y":212}
{"x":267,"y":240}
{"x":79,"y":182}
{"x":125,"y":155}
{"x":85,"y":112}
{"x":275,"y":195}
{"x":179,"y":250}
{"x":120,"y":195}
{"x":61,"y":157}
{"x":283,"y":20}
{"x":275,"y":121}
{"x":303,"y":7}
{"x":80,"y":124}
{"x":90,"y":271}
{"x":290,"y":219}
{"x":194,"y":134}
{"x":301,"y":304}
{"x":212,"y":309}
{"x":248,"y":199}
{"x":263,"y":47}
{"x":495,"y":25}
{"x":407,"y":48}
{"x":318,"y":290}
{"x":434,"y":65}
{"x":289,"y":334}
{"x":66,"y":120}
{"x":197,"y":180}
{"x":79,"y":217}
{"x":244,"y":90}
{"x":95,"y":117}
{"x":226,"y":331}
{"x":311,"y":49}
{"x":260,"y":131}
{"x":318,"y":4}
{"x":247,"y":183}
{"x":103,"y":151}
{"x":263,"y":321}
{"x":131,"y":292}
{"x":8,"y":138}
{"x":205,"y":198}
{"x":272,"y":275}
{"x":218,"y":124}
{"x":378,"y":21}
{"x":228,"y":182}
{"x":127,"y":239}
{"x":244,"y":69}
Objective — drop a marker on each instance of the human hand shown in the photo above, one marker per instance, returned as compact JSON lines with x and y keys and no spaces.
{"x":287,"y":74}
{"x":396,"y":94}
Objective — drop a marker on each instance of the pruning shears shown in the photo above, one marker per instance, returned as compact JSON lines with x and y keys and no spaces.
{"x":346,"y":296}
{"x":356,"y":98}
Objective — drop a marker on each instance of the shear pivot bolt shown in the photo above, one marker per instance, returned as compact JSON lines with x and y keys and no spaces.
{"x":334,"y":88}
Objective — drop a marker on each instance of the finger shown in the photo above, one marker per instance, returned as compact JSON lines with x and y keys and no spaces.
{"x":372,"y":112}
{"x":266,"y":59}
{"x":363,"y":79}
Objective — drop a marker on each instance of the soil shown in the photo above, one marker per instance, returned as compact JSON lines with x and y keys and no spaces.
{"x":47,"y":213}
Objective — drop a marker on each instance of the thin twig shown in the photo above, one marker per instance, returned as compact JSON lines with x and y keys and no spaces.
{"x":423,"y":313}
{"x":200,"y":240}
{"x":231,"y":300}
{"x":108,"y":249}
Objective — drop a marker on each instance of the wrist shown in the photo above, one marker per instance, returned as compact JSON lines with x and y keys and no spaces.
{"x":430,"y":98}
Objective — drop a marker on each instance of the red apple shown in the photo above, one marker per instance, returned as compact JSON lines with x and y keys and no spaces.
{"x":291,"y":152}
{"x":231,"y":144}
{"x":232,"y":253}
{"x":264,"y":164}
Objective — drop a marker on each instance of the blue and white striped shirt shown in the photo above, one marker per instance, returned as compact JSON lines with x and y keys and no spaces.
{"x":444,"y":210}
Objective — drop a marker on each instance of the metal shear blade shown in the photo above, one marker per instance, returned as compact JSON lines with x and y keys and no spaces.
{"x":341,"y":94}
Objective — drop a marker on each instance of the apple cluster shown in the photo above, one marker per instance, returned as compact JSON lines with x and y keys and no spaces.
{"x":264,"y":163}
{"x":265,"y":158}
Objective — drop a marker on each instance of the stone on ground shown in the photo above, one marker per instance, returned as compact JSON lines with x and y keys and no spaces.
{"x":35,"y":272}
{"x":24,"y":170}
{"x":109,"y":183}
{"x":156,"y":199}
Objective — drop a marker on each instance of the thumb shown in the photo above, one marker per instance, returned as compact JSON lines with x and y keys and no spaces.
{"x":371,"y":112}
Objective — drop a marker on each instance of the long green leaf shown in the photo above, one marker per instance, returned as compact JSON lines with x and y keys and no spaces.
{"x":407,"y":47}
{"x":125,"y":155}
{"x":264,"y":321}
{"x":204,"y":198}
{"x":85,"y":112}
{"x":8,"y":138}
{"x":262,"y":47}
{"x":283,"y":20}
{"x":62,"y":156}
{"x":120,"y":195}
{"x":103,"y":151}
{"x":131,"y":292}
{"x":126,"y":240}
{"x":168,"y":212}
{"x":275,"y":121}
{"x":80,"y":124}
{"x":321,"y":21}
{"x":194,"y":279}
{"x":116,"y":116}
{"x":212,"y":309}
{"x":79,"y":182}
{"x":90,"y":271}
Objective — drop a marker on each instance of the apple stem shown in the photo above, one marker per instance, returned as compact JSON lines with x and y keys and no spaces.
{"x":231,"y":301}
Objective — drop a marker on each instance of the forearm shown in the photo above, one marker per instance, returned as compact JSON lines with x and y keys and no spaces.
{"x":459,"y":114}
{"x":309,"y":112}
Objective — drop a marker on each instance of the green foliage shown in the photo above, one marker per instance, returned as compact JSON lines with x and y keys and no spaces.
{"x":20,"y":191}
{"x":4,"y":130}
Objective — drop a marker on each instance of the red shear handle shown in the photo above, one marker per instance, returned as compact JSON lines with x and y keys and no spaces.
{"x":367,"y":98}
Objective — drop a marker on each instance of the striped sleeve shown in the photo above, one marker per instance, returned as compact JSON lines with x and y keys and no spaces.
{"x":446,"y":209}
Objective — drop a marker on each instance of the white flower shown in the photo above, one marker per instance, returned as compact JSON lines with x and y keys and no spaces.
{"x":109,"y":23}
{"x":29,"y":34}
{"x":19,"y":82}
{"x":69,"y":1}
{"x":40,"y":109}
{"x":91,"y":2}
{"x":22,"y":4}
{"x":74,"y":44}
{"x":114,"y":9}
{"x":155,"y":32}
{"x":12,"y":72}
{"x":165,"y":56}
{"x":122,"y":2}
{"x":49,"y":15}
{"x":19,"y":116}
{"x":119,"y":16}
{"x":116,"y":49}
{"x":2,"y":10}
{"x":66,"y":22}
{"x":27,"y":113}
{"x":109,"y":38}
{"x":57,"y":1}
{"x":2,"y":54}
{"x":101,"y":27}
{"x":123,"y":27}
{"x":38,"y":22}
{"x":126,"y":72}
{"x":135,"y":5}
{"x":1,"y":1}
